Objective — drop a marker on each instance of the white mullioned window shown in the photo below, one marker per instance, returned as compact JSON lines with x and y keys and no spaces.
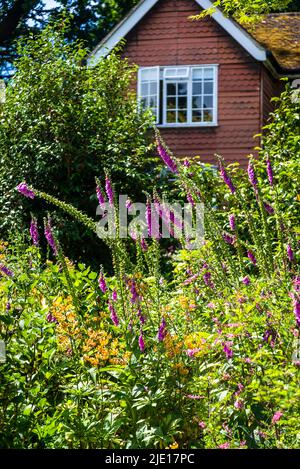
{"x":180,"y":96}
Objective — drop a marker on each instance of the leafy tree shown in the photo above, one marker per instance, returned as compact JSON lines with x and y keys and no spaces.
{"x":62,"y":124}
{"x":247,"y":11}
{"x":90,"y":21}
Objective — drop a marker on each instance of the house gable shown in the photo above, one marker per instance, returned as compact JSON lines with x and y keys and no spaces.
{"x":139,"y":12}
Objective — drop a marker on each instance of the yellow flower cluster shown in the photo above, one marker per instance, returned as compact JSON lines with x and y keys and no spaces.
{"x":67,"y":328}
{"x":197,"y":341}
{"x":101,"y":348}
{"x":98,"y":346}
{"x":3,"y":246}
{"x":173,"y":345}
{"x":186,"y":303}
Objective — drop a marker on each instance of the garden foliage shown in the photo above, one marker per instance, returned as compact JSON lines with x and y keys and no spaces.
{"x":62,"y":123}
{"x":206,"y":359}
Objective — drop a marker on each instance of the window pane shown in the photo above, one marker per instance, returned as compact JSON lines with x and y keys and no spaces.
{"x":144,"y":102}
{"x":171,"y":89}
{"x":182,"y":103}
{"x":197,"y":116}
{"x":176,"y":72}
{"x":171,"y":102}
{"x":197,"y":73}
{"x":208,"y":115}
{"x":152,"y":101}
{"x":208,"y":73}
{"x":171,"y":117}
{"x":144,"y":89}
{"x":197,"y":88}
{"x":182,"y":89}
{"x":208,"y":87}
{"x":208,"y":101}
{"x":149,"y":74}
{"x":197,"y":102}
{"x":182,"y":116}
{"x":153,"y":88}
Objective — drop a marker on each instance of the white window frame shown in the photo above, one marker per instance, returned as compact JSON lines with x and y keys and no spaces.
{"x":157,"y":69}
{"x":162,"y":76}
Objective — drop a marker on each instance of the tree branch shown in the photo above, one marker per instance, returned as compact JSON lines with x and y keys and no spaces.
{"x":10,"y":22}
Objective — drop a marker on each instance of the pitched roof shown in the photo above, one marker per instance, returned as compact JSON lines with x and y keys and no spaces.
{"x":247,"y":41}
{"x":276,"y":33}
{"x":280,"y":34}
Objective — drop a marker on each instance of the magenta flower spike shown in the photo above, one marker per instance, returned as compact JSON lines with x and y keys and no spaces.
{"x":296,"y":305}
{"x":100,"y":197}
{"x":276,"y":417}
{"x":141,"y":343}
{"x":109,"y":190}
{"x":290,"y":253}
{"x":251,"y":175}
{"x":34,"y":233}
{"x":252,"y":257}
{"x":5,"y":270}
{"x":268,"y":208}
{"x":246,"y":281}
{"x":24,"y":190}
{"x":49,"y":236}
{"x":114,"y":295}
{"x":102,"y":283}
{"x":226,"y":179}
{"x":162,"y":332}
{"x":166,"y":158}
{"x":232,"y":222}
{"x":270,"y":172}
{"x":113,"y":314}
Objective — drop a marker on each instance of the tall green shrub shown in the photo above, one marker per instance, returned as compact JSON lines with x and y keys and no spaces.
{"x":61,"y":124}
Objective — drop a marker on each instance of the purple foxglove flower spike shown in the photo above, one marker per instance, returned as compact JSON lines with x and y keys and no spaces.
{"x":167,"y":159}
{"x":134,"y":295}
{"x":246,"y":281}
{"x":109,"y":190}
{"x":270,"y":172}
{"x":100,"y":197}
{"x":252,"y":257}
{"x":296,"y":305}
{"x":102,"y":283}
{"x":232,"y":222}
{"x":227,"y":350}
{"x":276,"y":417}
{"x":251,"y":175}
{"x":148,"y":218}
{"x":144,"y":245}
{"x":24,"y":190}
{"x":190,"y":199}
{"x":226,"y":178}
{"x":141,"y":343}
{"x":186,"y":163}
{"x":113,"y":314}
{"x":140,"y":316}
{"x":114,"y":295}
{"x":268,"y":208}
{"x":228,"y":238}
{"x":5,"y":270}
{"x":162,"y":332}
{"x":290,"y":253}
{"x":34,"y":233}
{"x":128,"y":204}
{"x":49,"y":236}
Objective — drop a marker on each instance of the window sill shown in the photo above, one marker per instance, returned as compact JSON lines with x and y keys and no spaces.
{"x":184,"y":126}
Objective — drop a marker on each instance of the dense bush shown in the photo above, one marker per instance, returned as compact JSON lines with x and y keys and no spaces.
{"x":61,"y":125}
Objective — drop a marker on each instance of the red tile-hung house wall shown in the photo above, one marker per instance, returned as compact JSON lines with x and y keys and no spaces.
{"x":167,"y":37}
